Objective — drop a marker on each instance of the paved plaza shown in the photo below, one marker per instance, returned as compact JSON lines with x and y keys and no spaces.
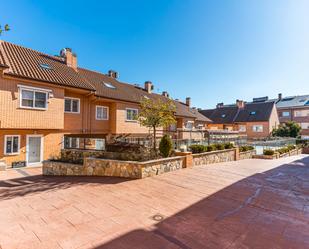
{"x":243,"y":204}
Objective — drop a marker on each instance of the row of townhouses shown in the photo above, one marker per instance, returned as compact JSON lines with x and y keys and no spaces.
{"x":258,"y":118}
{"x":49,"y":102}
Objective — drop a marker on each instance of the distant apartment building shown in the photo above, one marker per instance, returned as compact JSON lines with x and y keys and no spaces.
{"x":48,"y":102}
{"x":295,"y":108}
{"x":254,"y":119}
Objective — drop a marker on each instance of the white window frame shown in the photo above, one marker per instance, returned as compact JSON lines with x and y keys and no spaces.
{"x":5,"y":145}
{"x":189,"y":122}
{"x":71,"y":98}
{"x":34,"y":90}
{"x":304,"y":125}
{"x":132,"y":109}
{"x":242,"y":130}
{"x":70,"y":142}
{"x":96,"y":112}
{"x":285,"y":116}
{"x":255,"y":130}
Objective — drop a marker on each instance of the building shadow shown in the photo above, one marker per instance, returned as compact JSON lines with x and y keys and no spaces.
{"x":266,"y":210}
{"x":23,"y":186}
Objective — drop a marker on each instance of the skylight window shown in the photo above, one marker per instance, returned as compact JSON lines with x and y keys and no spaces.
{"x":223,"y":115}
{"x":109,"y":85}
{"x":45,"y":66}
{"x":307,"y":103}
{"x":253,"y":113}
{"x":302,"y":100}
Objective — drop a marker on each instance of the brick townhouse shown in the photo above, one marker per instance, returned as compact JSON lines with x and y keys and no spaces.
{"x":254,"y":119}
{"x":47,"y":102}
{"x":295,"y":108}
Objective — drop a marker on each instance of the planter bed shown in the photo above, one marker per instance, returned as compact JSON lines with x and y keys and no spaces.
{"x":218,"y":156}
{"x":247,"y":154}
{"x":277,"y":155}
{"x":117,"y":168}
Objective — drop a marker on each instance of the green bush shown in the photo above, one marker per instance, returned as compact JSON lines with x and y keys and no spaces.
{"x":165,"y":146}
{"x":211,"y":147}
{"x":198,"y":148}
{"x":245,"y":148}
{"x":268,"y":152}
{"x":219,"y":146}
{"x":291,"y":147}
{"x":228,"y":146}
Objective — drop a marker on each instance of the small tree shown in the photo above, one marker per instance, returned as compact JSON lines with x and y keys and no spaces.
{"x":6,"y":28}
{"x":156,"y":113}
{"x":165,"y":146}
{"x":289,"y":129}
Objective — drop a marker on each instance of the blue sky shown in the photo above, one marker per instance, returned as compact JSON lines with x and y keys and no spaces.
{"x":213,"y":51}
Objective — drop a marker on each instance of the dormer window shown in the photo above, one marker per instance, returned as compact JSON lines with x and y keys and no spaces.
{"x":253,"y":113}
{"x":109,"y":85}
{"x":45,"y":66}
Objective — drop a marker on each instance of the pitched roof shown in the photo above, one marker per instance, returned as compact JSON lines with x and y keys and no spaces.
{"x":26,"y":63}
{"x":293,"y":101}
{"x":33,"y":65}
{"x":255,"y":112}
{"x":109,"y":87}
{"x":252,"y":112}
{"x":221,"y":115}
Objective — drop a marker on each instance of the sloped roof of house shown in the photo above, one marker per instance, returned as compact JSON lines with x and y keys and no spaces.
{"x":221,"y":115}
{"x":252,"y":112}
{"x":293,"y":101}
{"x":27,"y":63}
{"x":33,"y":65}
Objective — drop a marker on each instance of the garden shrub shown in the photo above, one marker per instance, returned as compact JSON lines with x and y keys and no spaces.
{"x":219,"y":146}
{"x":245,"y":148}
{"x":268,"y":152}
{"x":291,"y":147}
{"x":228,"y":146}
{"x":197,"y":148}
{"x":165,"y":146}
{"x":211,"y":147}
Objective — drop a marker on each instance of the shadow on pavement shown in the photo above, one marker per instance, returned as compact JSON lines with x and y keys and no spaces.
{"x":266,"y":210}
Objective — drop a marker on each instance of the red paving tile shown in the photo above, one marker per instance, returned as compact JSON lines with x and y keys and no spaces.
{"x":244,"y":204}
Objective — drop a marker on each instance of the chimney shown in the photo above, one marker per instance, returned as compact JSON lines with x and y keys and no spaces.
{"x":188,"y":101}
{"x":113,"y":74}
{"x":148,"y":86}
{"x":165,"y":94}
{"x":219,"y":105}
{"x":70,"y":58}
{"x":280,"y":96}
{"x":240,"y":103}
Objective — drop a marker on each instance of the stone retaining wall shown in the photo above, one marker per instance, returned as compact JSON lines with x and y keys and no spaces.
{"x":277,"y":155}
{"x":214,"y":157}
{"x":116,"y":168}
{"x":247,"y":154}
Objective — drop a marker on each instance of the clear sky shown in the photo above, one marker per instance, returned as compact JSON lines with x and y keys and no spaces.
{"x":213,"y":51}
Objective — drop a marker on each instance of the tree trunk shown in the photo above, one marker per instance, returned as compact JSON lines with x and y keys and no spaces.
{"x":154,"y":139}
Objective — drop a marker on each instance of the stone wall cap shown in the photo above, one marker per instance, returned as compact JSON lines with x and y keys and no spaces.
{"x":213,"y":152}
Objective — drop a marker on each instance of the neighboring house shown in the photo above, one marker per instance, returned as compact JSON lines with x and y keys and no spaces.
{"x":254,"y":119}
{"x":47,"y":102}
{"x":295,"y":108}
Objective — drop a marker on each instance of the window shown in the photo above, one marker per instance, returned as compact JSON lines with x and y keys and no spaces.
{"x":242,"y":128}
{"x":101,"y":112}
{"x":223,"y":115}
{"x":285,"y":114}
{"x":173,"y":127}
{"x":11,"y":144}
{"x":132,"y":114}
{"x":100,"y":144}
{"x":253,"y":113}
{"x":33,"y":99}
{"x":45,"y":66}
{"x":109,"y":85}
{"x":71,"y":105}
{"x":200,"y":127}
{"x":189,"y":125}
{"x":257,"y":128}
{"x":304,"y":125}
{"x":301,"y":113}
{"x":71,"y":142}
